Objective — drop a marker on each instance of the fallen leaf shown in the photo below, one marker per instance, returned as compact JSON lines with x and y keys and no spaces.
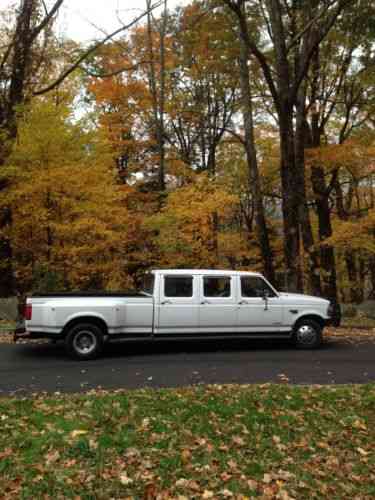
{"x":226,"y":493}
{"x":238,"y":440}
{"x":284,"y":495}
{"x":193,"y":485}
{"x":6,"y":453}
{"x":232,"y":464}
{"x":150,"y":492}
{"x":93,"y":444}
{"x":267,"y":478}
{"x":186,"y":456}
{"x":225,"y":476}
{"x":77,"y":433}
{"x":363,"y":452}
{"x":125,"y":480}
{"x":359,"y":425}
{"x":253,"y":485}
{"x":52,"y":457}
{"x":182,"y":483}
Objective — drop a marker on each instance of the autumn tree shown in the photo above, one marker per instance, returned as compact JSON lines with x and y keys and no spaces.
{"x":186,"y":229}
{"x":18,"y":63}
{"x":23,"y":57}
{"x":70,"y":217}
{"x":294,"y":32}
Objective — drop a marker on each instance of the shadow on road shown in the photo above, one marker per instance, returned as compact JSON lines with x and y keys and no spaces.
{"x":51,"y":350}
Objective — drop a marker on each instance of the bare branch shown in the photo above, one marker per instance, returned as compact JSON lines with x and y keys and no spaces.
{"x":319,"y":37}
{"x":45,"y":7}
{"x":6,"y":55}
{"x":117,"y":72}
{"x":47,"y":19}
{"x":237,"y":9}
{"x":90,"y":51}
{"x":298,"y":37}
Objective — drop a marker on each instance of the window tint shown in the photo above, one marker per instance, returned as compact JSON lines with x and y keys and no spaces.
{"x":178,"y":286}
{"x":253,"y":286}
{"x":216,"y":286}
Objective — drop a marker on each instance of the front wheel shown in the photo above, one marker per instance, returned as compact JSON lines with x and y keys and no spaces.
{"x":84,"y":341}
{"x":307,"y":334}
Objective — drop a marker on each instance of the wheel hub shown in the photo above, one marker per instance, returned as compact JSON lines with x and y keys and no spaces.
{"x":306,"y":334}
{"x":84,"y":342}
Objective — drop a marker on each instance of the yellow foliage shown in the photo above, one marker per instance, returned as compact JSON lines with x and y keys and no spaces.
{"x":358,"y":234}
{"x":69,"y":216}
{"x":189,"y":229}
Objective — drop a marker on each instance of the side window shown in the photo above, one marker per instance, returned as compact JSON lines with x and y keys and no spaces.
{"x":216,"y":286}
{"x":253,"y":286}
{"x":178,"y":286}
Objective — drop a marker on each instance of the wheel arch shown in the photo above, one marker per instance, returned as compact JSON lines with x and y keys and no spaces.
{"x":86,"y":318}
{"x":310,"y":316}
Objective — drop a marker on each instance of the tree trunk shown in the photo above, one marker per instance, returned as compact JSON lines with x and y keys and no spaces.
{"x":20,"y":64}
{"x":289,"y":200}
{"x":349,"y":255}
{"x":7,"y":282}
{"x":321,"y":198}
{"x":372,"y":278}
{"x":162,"y":100}
{"x":158,"y":98}
{"x":254,"y":180}
{"x":354,"y":286}
{"x":304,"y":216}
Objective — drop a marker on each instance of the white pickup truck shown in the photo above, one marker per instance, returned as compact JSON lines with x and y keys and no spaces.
{"x":180,"y":304}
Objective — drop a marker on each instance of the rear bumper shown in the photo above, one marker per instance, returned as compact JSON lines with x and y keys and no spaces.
{"x":20,"y":333}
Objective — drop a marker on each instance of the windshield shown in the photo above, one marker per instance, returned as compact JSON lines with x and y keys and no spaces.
{"x":147,"y":283}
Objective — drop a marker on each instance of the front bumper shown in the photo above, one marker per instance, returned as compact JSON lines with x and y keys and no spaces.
{"x":335,"y":315}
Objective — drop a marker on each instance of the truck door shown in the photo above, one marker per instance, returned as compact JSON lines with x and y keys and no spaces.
{"x":177,"y":310}
{"x":254,"y":312}
{"x":218,"y":304}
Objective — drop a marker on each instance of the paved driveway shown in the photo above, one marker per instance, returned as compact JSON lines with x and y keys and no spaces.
{"x":28,"y":368}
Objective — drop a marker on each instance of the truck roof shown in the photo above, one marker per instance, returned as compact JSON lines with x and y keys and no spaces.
{"x":218,"y":272}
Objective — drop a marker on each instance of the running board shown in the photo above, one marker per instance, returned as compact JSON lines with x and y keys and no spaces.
{"x":184,"y":337}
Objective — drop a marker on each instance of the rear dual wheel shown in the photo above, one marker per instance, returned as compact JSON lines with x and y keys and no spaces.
{"x":84,"y":341}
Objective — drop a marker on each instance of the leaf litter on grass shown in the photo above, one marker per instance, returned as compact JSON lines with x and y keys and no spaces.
{"x":268,"y":441}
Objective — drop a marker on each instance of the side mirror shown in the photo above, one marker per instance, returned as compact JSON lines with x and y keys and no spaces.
{"x":265,"y":296}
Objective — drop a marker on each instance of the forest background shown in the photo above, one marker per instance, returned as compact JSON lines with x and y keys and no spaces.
{"x":222,"y":134}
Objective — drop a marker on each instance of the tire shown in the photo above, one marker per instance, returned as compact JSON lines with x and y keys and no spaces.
{"x":84,"y":341}
{"x":307,"y":334}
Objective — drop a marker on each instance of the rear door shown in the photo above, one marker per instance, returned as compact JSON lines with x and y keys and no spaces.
{"x":218,"y":304}
{"x":178,"y":307}
{"x":254,"y":313}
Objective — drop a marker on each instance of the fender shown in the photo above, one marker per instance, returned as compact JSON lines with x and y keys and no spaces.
{"x":85,"y":314}
{"x":310,"y":312}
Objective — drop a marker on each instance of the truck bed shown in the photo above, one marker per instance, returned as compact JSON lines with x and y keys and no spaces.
{"x":121,"y":294}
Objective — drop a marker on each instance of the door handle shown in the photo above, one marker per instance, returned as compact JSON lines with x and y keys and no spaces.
{"x":204,"y":302}
{"x":165,"y":302}
{"x":242,"y":303}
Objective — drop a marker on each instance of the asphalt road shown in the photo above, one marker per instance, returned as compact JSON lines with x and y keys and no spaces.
{"x":31,"y":368}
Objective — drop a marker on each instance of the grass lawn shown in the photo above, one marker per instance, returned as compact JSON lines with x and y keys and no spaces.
{"x":268,"y":441}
